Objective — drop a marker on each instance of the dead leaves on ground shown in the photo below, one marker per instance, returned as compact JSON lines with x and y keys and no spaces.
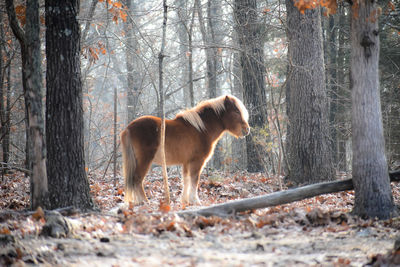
{"x":330,"y":212}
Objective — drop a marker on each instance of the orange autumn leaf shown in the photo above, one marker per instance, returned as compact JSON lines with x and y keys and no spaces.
{"x":5,"y":231}
{"x":391,"y":6}
{"x":120,"y":191}
{"x":164,"y":207}
{"x":20,"y":11}
{"x":123,"y":15}
{"x":117,"y":4}
{"x":39,"y":214}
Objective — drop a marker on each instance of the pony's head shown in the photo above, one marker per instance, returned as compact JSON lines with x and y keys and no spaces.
{"x":230,"y":110}
{"x":235,"y":118}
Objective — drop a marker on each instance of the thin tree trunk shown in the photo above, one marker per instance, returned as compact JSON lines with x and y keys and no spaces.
{"x":373,"y":195}
{"x":208,"y":37}
{"x":185,"y":34}
{"x":343,"y":97}
{"x":4,"y":108}
{"x":32,"y":83}
{"x":115,"y":137}
{"x":131,"y":64}
{"x":239,"y":154}
{"x":210,"y":66}
{"x":333,"y":88}
{"x":161,"y":92}
{"x":6,"y":126}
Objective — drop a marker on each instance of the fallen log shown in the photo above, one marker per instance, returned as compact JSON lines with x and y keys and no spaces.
{"x":278,"y":198}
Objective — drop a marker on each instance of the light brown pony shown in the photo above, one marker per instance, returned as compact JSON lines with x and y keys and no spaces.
{"x":190,"y":139}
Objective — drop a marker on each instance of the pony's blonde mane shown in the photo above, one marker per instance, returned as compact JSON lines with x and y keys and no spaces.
{"x":217,"y":104}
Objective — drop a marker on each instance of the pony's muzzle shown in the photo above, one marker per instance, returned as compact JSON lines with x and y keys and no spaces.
{"x":245,"y":131}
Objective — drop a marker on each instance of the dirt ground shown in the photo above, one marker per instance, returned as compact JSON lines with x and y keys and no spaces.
{"x":313,"y":232}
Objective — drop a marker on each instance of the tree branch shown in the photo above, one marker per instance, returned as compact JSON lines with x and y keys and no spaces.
{"x":279,"y":198}
{"x":16,"y":28}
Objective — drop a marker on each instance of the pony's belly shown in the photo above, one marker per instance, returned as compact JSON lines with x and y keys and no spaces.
{"x":171,"y":159}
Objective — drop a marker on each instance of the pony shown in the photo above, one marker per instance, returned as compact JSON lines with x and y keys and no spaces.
{"x":190,"y":139}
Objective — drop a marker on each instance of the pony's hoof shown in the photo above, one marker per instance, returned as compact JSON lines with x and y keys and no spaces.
{"x":195,"y":202}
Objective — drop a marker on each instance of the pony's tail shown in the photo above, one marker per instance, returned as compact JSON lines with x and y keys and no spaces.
{"x":129,"y":164}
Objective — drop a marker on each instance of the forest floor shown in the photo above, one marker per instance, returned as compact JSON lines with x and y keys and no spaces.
{"x":314,"y":232}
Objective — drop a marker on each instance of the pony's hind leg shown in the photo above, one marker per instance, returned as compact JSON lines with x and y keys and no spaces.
{"x":139,"y":196}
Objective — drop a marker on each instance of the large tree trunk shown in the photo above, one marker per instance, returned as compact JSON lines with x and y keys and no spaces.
{"x":309,"y":153}
{"x":249,"y":29}
{"x":68,"y":183}
{"x":373,"y":195}
{"x":32,"y":83}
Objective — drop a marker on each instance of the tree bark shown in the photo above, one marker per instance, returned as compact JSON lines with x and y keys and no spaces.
{"x":131,"y":62}
{"x":373,"y":195}
{"x":68,"y":183}
{"x":208,"y":37}
{"x":4,"y":105}
{"x":182,"y":32}
{"x":308,"y":148}
{"x":32,"y":83}
{"x":249,"y":30}
{"x":161,"y":92}
{"x":342,"y":117}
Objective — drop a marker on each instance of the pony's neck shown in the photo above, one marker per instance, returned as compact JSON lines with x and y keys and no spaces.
{"x":213,"y":124}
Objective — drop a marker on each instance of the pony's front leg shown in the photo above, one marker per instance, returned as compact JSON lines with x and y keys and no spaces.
{"x":186,"y":185}
{"x":194,"y":184}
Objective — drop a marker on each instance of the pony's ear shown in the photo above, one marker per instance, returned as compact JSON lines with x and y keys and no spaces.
{"x":227,"y":99}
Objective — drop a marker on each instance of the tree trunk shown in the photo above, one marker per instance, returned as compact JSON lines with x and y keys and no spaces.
{"x":4,"y":105}
{"x":239,"y":155}
{"x":342,"y":117}
{"x":332,"y":85}
{"x":211,"y":72}
{"x":373,"y":195}
{"x":183,"y":31}
{"x":33,"y":98}
{"x":190,"y":61}
{"x":208,"y":36}
{"x":249,"y":30}
{"x":131,"y":64}
{"x":161,"y":92}
{"x":309,"y":153}
{"x":68,"y":183}
{"x":32,"y":83}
